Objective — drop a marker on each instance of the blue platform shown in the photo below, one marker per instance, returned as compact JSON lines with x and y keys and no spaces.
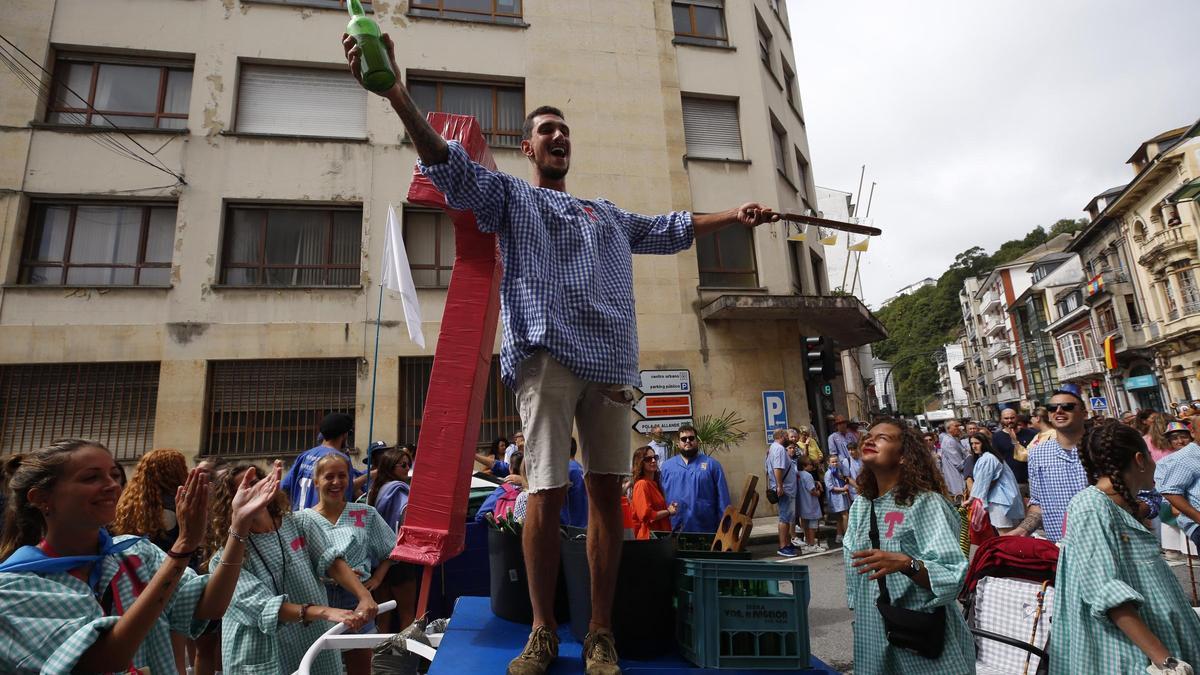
{"x":478,"y":642}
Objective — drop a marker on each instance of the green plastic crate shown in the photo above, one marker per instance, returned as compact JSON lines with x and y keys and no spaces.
{"x":742,"y":614}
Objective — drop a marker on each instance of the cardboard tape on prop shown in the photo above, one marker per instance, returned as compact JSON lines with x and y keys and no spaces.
{"x":435,"y":522}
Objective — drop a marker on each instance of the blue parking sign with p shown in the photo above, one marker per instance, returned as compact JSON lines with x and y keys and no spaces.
{"x":774,"y":412}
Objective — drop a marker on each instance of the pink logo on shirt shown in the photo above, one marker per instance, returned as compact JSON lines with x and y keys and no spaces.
{"x":892,"y":518}
{"x":298,"y":543}
{"x":360,"y":518}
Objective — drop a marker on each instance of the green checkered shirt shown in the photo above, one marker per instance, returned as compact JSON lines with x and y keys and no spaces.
{"x":47,"y":621}
{"x":360,"y":531}
{"x":252,"y":639}
{"x":928,"y":531}
{"x":1109,"y":559}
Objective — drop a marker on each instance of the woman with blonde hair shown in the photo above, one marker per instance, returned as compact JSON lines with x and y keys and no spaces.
{"x":281,"y":608}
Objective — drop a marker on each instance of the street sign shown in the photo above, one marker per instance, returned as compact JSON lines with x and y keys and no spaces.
{"x":774,"y":412}
{"x":672,"y":425}
{"x":666,"y":382}
{"x":1098,"y":403}
{"x":664,"y":405}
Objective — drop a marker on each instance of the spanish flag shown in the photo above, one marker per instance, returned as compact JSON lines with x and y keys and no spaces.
{"x":1110,"y":352}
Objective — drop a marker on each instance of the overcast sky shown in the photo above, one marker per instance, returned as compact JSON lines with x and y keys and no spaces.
{"x":981,"y":120}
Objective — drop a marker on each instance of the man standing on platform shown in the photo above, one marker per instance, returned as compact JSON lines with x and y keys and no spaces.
{"x":570,"y":348}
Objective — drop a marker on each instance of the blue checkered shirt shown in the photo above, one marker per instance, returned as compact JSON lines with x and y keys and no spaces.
{"x":567,"y":285}
{"x":1179,"y":474}
{"x":1055,"y":476}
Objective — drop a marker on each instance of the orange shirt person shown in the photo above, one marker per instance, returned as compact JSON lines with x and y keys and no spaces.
{"x":650,"y":508}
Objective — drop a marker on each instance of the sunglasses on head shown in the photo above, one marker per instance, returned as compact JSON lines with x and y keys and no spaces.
{"x":1066,"y":407}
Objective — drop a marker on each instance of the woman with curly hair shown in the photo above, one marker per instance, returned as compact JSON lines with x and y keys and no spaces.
{"x":903,"y":532}
{"x":280,"y":607}
{"x":147,"y":509}
{"x":1118,"y":608}
{"x":147,"y":506}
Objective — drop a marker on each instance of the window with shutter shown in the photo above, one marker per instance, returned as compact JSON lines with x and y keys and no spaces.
{"x":500,"y":415}
{"x":112,"y":403}
{"x":710,"y":128}
{"x":99,"y":244}
{"x":274,"y":407}
{"x":288,"y":101}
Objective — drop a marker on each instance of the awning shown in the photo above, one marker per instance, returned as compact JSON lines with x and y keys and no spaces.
{"x":1186,"y":193}
{"x":842,"y":318}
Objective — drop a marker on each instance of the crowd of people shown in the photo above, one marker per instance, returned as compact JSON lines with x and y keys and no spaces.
{"x":1119,"y":498}
{"x":221,"y":567}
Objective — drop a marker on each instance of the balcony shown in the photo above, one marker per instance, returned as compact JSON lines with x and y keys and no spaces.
{"x":1083,"y":369}
{"x":1167,"y":246}
{"x":998,"y":349}
{"x":1188,"y":309}
{"x":1003,"y":371}
{"x":995,"y":324}
{"x":1007,"y":394}
{"x":1108,"y":281}
{"x":988,"y":302}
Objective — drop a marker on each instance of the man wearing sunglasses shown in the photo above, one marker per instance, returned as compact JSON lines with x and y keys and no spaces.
{"x":697,"y":483}
{"x":1055,"y":472}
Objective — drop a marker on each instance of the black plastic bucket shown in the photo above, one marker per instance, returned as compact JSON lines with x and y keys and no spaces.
{"x":510,"y":586}
{"x":643,"y":606}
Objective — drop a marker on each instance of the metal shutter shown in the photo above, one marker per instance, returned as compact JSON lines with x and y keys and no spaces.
{"x":710,"y":127}
{"x":300,"y":102}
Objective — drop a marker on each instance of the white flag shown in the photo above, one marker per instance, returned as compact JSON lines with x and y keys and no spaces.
{"x":397,"y":276}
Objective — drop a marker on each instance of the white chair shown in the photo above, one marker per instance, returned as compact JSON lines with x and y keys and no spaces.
{"x":334,"y":639}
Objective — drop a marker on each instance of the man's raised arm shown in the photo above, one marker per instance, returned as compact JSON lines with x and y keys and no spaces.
{"x":430,"y":145}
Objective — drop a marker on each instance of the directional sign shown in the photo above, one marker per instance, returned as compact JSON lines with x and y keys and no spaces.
{"x":664,"y":405}
{"x":774,"y":412}
{"x":645,"y":426}
{"x":666,"y":382}
{"x":1099,"y":403}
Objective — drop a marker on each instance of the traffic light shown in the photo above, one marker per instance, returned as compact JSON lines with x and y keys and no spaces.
{"x":820,"y":359}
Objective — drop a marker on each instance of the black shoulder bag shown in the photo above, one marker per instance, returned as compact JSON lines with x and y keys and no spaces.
{"x":772,"y":496}
{"x":921,"y":632}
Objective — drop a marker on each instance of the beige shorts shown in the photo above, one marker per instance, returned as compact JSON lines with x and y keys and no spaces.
{"x":552,"y":401}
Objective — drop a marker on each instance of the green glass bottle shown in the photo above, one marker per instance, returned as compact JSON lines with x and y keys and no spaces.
{"x":374,"y":65}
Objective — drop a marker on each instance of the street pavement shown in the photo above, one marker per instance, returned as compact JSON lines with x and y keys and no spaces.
{"x":830,"y":632}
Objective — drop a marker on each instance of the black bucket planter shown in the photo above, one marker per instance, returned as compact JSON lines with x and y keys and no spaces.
{"x":510,"y":586}
{"x":643,"y":604}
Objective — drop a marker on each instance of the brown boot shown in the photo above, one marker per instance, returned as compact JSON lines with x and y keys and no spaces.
{"x":600,"y":654}
{"x":539,"y":652}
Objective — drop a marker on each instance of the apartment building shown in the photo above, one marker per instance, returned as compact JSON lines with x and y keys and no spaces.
{"x":1156,"y":222}
{"x":207,"y":276}
{"x":950,"y":389}
{"x":976,"y":368}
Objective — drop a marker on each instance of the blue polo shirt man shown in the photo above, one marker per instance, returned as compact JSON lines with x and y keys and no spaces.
{"x":298,"y":483}
{"x":696,"y":482}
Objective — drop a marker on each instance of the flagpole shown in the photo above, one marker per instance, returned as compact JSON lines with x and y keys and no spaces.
{"x":374,"y":378}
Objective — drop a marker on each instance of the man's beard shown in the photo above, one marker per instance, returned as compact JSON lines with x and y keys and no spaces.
{"x":690,"y":452}
{"x":553,"y":173}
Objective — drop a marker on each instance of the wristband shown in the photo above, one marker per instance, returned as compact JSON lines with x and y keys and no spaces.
{"x":186,"y":555}
{"x":303,"y":612}
{"x":237,"y":537}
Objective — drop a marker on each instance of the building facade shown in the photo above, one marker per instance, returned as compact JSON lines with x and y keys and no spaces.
{"x":1159,"y":223}
{"x":207,"y":277}
{"x":950,"y":388}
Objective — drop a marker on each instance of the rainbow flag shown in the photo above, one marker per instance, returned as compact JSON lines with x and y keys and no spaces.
{"x":1096,"y":285}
